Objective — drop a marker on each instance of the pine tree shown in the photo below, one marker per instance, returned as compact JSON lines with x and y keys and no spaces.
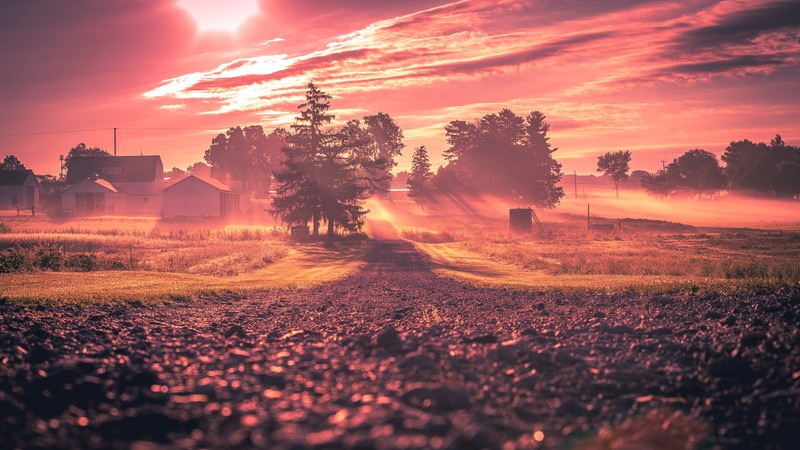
{"x":420,"y":177}
{"x":323,"y":178}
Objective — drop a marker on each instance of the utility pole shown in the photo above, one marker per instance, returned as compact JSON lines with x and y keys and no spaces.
{"x":61,"y":172}
{"x":115,"y":141}
{"x":575,"y":178}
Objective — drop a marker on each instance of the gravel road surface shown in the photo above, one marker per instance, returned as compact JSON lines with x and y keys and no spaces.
{"x":396,"y":357}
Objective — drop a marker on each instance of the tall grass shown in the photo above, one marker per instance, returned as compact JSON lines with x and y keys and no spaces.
{"x":224,"y":252}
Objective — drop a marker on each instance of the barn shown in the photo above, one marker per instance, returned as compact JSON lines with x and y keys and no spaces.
{"x":18,"y":189}
{"x":92,"y":196}
{"x":196,"y":196}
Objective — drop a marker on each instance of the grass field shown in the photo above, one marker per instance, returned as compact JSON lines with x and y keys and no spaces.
{"x":131,"y":260}
{"x":642,"y":255}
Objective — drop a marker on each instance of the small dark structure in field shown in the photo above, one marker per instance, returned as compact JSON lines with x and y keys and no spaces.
{"x":520,"y":220}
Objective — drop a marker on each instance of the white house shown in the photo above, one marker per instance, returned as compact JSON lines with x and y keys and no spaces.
{"x":92,"y":196}
{"x":18,"y":189}
{"x":137,"y":180}
{"x":196,"y":196}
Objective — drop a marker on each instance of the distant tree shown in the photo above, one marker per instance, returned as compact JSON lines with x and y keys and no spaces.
{"x":419,"y":179}
{"x":199,"y":169}
{"x":698,"y":170}
{"x":694,"y":172}
{"x":661,"y":182}
{"x":241,"y":154}
{"x":769,"y":169}
{"x":297,"y":199}
{"x":175,"y":173}
{"x":10,"y":162}
{"x":503,"y":154}
{"x":325,"y":172}
{"x":385,"y":144}
{"x":82,"y":150}
{"x":276,"y":141}
{"x":615,"y":165}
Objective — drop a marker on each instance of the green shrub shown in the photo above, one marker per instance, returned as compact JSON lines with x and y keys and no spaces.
{"x":82,"y":262}
{"x":12,"y":260}
{"x":49,"y":258}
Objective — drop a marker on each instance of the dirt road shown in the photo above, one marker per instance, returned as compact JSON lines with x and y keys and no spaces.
{"x":395,"y":357}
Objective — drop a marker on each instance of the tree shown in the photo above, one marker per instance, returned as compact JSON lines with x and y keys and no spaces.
{"x":324,"y":171}
{"x":695,"y":171}
{"x":698,"y":170}
{"x":615,"y":165}
{"x":82,"y":150}
{"x":768,"y":169}
{"x":660,"y":183}
{"x":419,"y":179}
{"x":175,"y":173}
{"x":385,"y":144}
{"x":11,"y":163}
{"x":503,"y":154}
{"x":240,"y":154}
{"x":199,"y":169}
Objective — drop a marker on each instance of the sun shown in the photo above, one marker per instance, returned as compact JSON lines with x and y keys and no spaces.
{"x":220,"y":15}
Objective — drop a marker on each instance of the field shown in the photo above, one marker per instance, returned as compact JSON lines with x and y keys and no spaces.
{"x":136,"y":260}
{"x":640,"y":255}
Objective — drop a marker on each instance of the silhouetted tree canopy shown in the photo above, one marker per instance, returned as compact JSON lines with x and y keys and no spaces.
{"x":419,"y":179}
{"x":241,"y":154}
{"x":199,"y":169}
{"x":385,"y":144}
{"x":503,"y":154}
{"x":694,"y":172}
{"x":327,"y":173}
{"x":82,"y":150}
{"x":615,"y":165}
{"x":772,"y":169}
{"x":176,"y":173}
{"x":10,"y":162}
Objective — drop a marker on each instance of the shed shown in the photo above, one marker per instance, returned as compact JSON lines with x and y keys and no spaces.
{"x":18,"y":189}
{"x":196,"y":196}
{"x":92,"y":196}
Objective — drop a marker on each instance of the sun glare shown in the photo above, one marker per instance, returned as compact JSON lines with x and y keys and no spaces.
{"x":217,"y":15}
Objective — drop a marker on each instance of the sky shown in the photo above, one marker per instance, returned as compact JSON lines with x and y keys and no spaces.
{"x":654,"y":77}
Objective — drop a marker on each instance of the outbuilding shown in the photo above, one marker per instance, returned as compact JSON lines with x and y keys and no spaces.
{"x":92,"y":196}
{"x":196,"y":196}
{"x":19,"y":189}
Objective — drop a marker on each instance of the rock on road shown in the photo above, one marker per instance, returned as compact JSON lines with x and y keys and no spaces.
{"x":396,"y":357}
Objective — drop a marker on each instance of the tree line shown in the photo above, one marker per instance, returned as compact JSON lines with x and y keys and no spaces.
{"x":767,"y":169}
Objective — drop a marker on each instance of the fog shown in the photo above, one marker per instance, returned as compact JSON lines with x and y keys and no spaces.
{"x":724,"y":211}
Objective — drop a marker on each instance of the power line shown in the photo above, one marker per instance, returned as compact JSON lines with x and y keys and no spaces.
{"x":34,"y":133}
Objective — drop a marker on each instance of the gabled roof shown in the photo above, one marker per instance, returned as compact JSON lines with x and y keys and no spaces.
{"x":220,"y":186}
{"x":130,"y":169}
{"x":99,"y":181}
{"x":16,"y":177}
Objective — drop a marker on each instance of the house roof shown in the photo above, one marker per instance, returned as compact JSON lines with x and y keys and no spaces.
{"x":16,"y":177}
{"x":210,"y":181}
{"x":100,"y":182}
{"x":131,"y":169}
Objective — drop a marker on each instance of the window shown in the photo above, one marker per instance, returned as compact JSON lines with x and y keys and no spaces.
{"x":112,"y":170}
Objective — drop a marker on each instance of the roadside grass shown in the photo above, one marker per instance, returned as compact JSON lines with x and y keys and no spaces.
{"x":644,"y":256}
{"x":101,"y":260}
{"x":302,"y":267}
